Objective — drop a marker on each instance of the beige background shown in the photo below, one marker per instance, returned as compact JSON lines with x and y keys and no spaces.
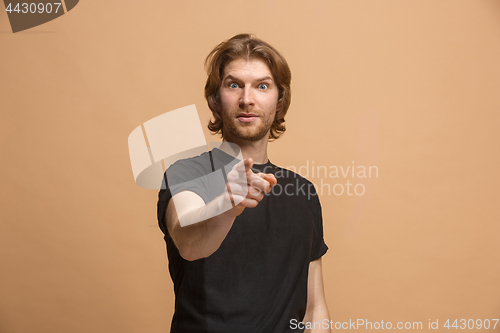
{"x":408,"y":86}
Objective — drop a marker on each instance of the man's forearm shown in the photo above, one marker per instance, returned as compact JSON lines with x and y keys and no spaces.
{"x":201,"y":239}
{"x":318,"y":319}
{"x":198,"y":229}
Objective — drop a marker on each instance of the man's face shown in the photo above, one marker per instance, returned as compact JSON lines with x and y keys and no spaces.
{"x":248,"y":99}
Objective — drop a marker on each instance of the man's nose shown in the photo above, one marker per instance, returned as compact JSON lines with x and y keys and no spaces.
{"x":247,"y":97}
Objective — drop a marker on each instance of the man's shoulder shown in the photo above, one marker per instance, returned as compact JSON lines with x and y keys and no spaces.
{"x":200,"y":164}
{"x":188,"y":169}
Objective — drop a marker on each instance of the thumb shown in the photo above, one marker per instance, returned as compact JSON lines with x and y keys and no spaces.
{"x":248,"y":164}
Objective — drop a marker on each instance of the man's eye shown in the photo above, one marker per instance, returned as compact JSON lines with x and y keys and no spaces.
{"x":263,"y":86}
{"x":233,"y":85}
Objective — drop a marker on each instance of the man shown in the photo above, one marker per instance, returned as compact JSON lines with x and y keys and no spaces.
{"x":255,"y":267}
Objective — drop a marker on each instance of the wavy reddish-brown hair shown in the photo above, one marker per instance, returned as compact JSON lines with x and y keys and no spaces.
{"x":248,"y":47}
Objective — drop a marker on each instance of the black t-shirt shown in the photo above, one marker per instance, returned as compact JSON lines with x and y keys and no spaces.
{"x":257,"y":280}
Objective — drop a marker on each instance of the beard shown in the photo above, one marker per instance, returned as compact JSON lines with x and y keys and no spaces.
{"x":253,"y":131}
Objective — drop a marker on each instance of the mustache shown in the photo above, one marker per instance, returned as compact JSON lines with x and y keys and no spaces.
{"x":246,"y":111}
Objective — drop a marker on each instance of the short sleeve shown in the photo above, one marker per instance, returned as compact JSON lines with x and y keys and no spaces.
{"x":183,"y":175}
{"x":319,"y":246}
{"x":163,"y":198}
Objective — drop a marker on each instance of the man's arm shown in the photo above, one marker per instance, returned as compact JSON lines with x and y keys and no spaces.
{"x":192,"y":240}
{"x":201,"y":239}
{"x":316,"y":311}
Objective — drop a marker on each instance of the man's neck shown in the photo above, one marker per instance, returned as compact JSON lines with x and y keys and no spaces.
{"x":257,"y":150}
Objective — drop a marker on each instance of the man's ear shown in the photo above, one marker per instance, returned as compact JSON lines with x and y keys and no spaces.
{"x":279,"y":105}
{"x":281,"y":96}
{"x":216,"y":103}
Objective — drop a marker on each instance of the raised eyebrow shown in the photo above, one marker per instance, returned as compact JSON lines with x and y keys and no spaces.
{"x":264,"y":78}
{"x":230,"y":77}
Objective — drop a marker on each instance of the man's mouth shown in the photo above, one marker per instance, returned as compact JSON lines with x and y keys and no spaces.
{"x":247,"y":117}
